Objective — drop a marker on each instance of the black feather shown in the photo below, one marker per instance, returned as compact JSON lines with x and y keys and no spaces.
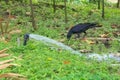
{"x":82,"y":27}
{"x":26,"y":38}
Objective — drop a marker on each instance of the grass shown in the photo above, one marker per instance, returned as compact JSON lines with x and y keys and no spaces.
{"x":42,"y":62}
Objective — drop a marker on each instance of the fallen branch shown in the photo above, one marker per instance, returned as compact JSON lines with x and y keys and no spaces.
{"x":99,"y":39}
{"x":102,"y":39}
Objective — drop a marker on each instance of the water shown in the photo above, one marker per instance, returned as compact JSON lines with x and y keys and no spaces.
{"x":47,"y":40}
{"x":103,"y":56}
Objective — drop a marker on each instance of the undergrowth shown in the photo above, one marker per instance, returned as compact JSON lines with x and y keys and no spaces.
{"x":42,"y":62}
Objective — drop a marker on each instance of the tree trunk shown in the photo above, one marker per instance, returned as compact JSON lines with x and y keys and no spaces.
{"x":54,"y":6}
{"x":118,"y":3}
{"x":98,"y":4}
{"x":6,"y":1}
{"x":103,"y":16}
{"x":32,"y":15}
{"x":65,"y":12}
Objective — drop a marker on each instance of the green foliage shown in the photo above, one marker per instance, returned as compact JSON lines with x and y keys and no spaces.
{"x":42,"y":62}
{"x":33,"y":1}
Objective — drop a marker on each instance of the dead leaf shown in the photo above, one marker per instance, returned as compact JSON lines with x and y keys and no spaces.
{"x":15,"y":31}
{"x":6,"y":61}
{"x":6,"y":66}
{"x":62,"y":40}
{"x":114,"y":26}
{"x":12,"y":17}
{"x":28,"y":13}
{"x":90,"y":42}
{"x":62,"y":34}
{"x":116,"y":34}
{"x":85,"y":51}
{"x":11,"y":75}
{"x":3,"y":55}
{"x":106,"y":43}
{"x":98,"y":39}
{"x":1,"y":19}
{"x":66,"y":62}
{"x":117,"y":54}
{"x":2,"y":51}
{"x":104,"y":35}
{"x":2,"y":39}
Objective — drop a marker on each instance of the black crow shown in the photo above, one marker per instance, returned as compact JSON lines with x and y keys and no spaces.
{"x":26,"y":38}
{"x":81,"y":27}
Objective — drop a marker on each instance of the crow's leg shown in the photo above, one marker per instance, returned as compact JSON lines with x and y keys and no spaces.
{"x":78,"y":35}
{"x":84,"y":34}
